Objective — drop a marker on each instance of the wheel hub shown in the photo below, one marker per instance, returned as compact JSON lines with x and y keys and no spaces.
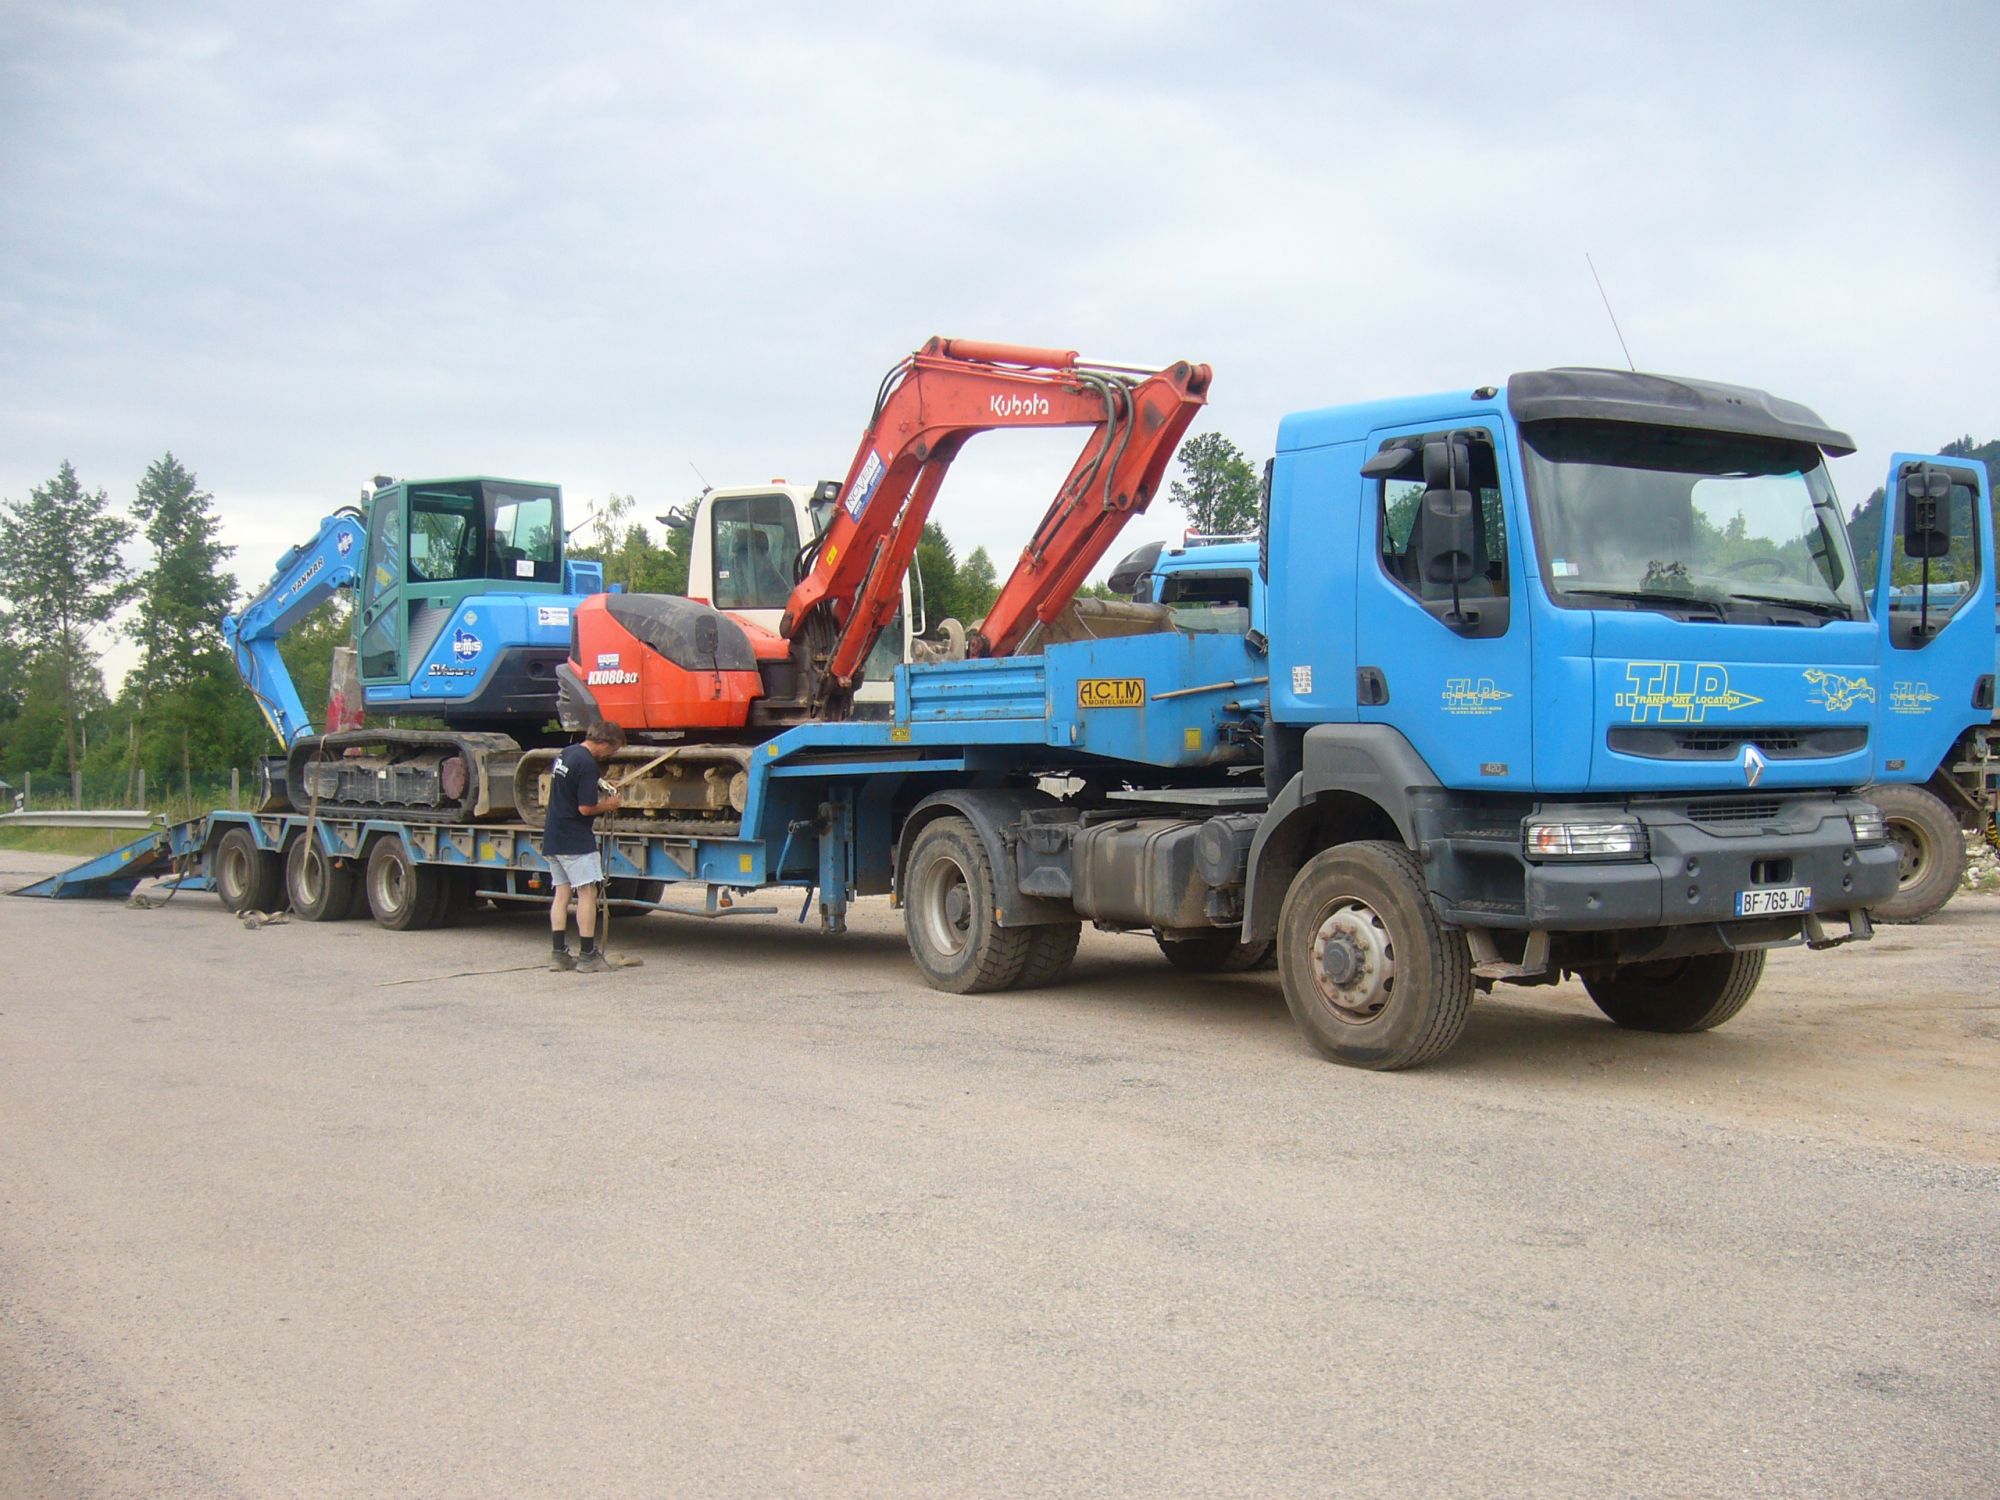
{"x":1353,"y":961}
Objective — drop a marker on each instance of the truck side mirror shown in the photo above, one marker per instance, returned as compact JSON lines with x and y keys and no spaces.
{"x":1926,"y":512}
{"x":1446,"y":541}
{"x":1391,"y":462}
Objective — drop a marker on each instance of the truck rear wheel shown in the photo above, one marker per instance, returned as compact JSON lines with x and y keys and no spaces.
{"x":1679,"y":994}
{"x":247,"y":878}
{"x":1371,"y":976}
{"x":319,"y":889}
{"x":949,"y":918}
{"x":1051,"y":948}
{"x":1217,"y":952}
{"x":1933,"y":852}
{"x":402,"y":893}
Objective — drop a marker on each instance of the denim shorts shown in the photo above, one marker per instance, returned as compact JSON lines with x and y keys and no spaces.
{"x":576,"y":870}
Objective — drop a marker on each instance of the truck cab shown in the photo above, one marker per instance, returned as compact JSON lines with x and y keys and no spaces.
{"x":1594,"y":647}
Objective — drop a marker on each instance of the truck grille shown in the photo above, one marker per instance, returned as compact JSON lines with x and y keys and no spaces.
{"x":1779,"y":742}
{"x":1734,"y":810}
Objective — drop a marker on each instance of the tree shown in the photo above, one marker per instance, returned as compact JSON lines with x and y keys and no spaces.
{"x":183,"y":672}
{"x":977,"y":587}
{"x":937,"y":573}
{"x":63,"y":578}
{"x":629,"y":554}
{"x":1219,"y":488}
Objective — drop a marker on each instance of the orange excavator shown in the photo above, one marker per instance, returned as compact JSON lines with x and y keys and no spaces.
{"x":667,"y":669}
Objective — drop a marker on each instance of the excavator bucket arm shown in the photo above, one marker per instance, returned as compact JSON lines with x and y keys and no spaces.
{"x":929,"y":405}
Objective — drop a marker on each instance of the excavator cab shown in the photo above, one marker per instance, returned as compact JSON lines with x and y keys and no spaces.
{"x":434,"y":544}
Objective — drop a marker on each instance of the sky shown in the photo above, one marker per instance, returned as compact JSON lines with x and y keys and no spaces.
{"x":610,"y":245}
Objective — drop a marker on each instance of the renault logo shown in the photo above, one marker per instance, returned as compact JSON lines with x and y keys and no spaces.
{"x":1753,"y":765}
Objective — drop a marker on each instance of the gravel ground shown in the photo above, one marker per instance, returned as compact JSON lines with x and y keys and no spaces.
{"x":325,"y":1210}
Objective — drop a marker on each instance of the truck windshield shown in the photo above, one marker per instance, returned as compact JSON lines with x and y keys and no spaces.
{"x":1736,"y":527}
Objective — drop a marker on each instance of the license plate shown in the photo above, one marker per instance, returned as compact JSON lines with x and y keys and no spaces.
{"x":1774,"y":902}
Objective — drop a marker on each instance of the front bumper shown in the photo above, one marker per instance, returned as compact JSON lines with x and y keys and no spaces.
{"x":1701,"y":853}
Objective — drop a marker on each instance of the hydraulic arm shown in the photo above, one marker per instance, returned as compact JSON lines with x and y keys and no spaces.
{"x":305,"y":578}
{"x":928,"y":406}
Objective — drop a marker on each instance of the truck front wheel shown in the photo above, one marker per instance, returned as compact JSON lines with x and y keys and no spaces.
{"x":1678,"y":994}
{"x":1933,"y":852}
{"x":1371,"y":976}
{"x":949,"y":918}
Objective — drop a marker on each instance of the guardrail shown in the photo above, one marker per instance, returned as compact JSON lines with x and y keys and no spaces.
{"x":120,"y":817}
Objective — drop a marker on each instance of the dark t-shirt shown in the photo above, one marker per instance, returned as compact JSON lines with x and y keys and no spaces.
{"x":572,"y":784}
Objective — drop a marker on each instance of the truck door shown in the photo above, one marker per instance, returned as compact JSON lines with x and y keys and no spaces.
{"x":1937,"y":645}
{"x":1450,"y":671}
{"x":381,"y":623}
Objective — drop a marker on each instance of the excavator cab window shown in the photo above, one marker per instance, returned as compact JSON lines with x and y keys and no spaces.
{"x":756,"y":538}
{"x":445,"y":534}
{"x":523,"y":545}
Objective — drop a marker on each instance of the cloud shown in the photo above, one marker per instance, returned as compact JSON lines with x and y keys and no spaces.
{"x":301,"y":248}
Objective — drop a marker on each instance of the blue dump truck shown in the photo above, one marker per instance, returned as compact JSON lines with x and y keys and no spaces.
{"x":1572,"y":675}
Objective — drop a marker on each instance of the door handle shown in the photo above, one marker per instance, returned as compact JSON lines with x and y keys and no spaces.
{"x":1371,"y":687}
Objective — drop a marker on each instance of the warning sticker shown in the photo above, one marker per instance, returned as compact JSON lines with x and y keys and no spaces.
{"x":1110,"y":692}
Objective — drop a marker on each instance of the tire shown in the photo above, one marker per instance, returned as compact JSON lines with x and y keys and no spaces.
{"x":1933,"y":851}
{"x":320,"y":888}
{"x":402,"y":894}
{"x":247,"y":878}
{"x":948,"y":917}
{"x":1216,"y":952}
{"x":1679,"y":994}
{"x":454,"y":897}
{"x":1406,"y":989}
{"x":1050,"y":951}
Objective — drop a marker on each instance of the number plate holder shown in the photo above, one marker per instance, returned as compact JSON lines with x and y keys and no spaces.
{"x":1774,"y":901}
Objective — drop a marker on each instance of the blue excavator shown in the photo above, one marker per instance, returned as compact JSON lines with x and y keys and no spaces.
{"x":463,"y":608}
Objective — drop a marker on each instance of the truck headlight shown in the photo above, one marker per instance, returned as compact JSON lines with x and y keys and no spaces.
{"x":1595,"y":838}
{"x":1869,"y":825}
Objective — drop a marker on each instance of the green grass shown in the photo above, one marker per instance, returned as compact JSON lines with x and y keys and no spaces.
{"x":78,"y":841}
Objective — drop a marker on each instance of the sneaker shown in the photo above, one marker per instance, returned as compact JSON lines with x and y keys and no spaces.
{"x":561,"y":961}
{"x":592,"y":963}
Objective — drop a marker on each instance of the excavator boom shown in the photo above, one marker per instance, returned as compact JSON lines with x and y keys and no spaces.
{"x":929,"y":405}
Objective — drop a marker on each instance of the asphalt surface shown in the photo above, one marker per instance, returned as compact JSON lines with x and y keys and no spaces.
{"x":326,"y":1210}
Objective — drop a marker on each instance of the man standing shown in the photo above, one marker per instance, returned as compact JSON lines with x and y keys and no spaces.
{"x":570,"y":845}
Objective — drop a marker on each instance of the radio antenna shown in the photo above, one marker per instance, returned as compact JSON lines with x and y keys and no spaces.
{"x":1607,"y":310}
{"x":705,"y":485}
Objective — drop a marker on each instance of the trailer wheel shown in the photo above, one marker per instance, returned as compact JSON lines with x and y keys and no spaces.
{"x":319,"y":889}
{"x":248,"y":878}
{"x":1051,"y":949}
{"x":1217,"y":952}
{"x":402,"y":893}
{"x":948,"y":914}
{"x":454,"y":897}
{"x":1678,"y":994}
{"x":1372,"y":977}
{"x":1933,"y":852}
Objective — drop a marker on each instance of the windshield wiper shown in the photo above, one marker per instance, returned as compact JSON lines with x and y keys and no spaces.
{"x":1647,"y":596}
{"x":1831,"y":609}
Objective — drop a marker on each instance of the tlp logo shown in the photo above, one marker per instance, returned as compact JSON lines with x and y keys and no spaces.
{"x":1679,"y":692}
{"x":465,"y":645}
